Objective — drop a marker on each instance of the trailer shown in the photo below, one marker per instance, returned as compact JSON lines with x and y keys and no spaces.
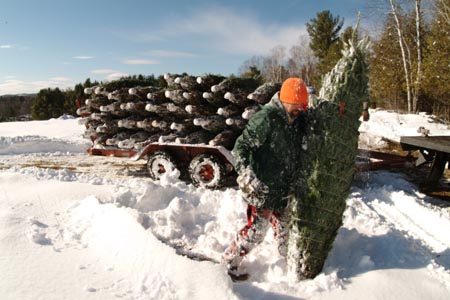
{"x":213,"y":166}
{"x":206,"y":166}
{"x":432,"y":149}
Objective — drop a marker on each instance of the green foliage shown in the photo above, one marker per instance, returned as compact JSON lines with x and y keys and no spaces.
{"x":324,"y":32}
{"x":70,"y":96}
{"x":79,"y":91}
{"x":387,"y":76}
{"x":386,"y":69}
{"x":253,"y":72}
{"x":133,"y":81}
{"x":12,"y":106}
{"x":161,"y":82}
{"x":327,"y":164}
{"x":49,"y":103}
{"x":349,"y":34}
{"x":325,"y":40}
{"x":436,"y":82}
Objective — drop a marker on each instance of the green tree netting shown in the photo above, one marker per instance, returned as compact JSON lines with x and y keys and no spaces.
{"x":328,"y":162}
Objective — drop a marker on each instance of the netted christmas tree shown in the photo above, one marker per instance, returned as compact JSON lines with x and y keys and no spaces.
{"x":327,"y":162}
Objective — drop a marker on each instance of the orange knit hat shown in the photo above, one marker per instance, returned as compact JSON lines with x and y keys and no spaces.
{"x":293,"y":91}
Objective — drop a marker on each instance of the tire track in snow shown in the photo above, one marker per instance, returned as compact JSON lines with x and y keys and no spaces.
{"x":424,"y":223}
{"x":78,"y":163}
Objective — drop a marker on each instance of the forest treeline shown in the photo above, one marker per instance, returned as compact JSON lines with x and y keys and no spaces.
{"x":409,"y":63}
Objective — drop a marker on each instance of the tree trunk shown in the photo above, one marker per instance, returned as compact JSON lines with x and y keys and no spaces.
{"x":418,"y":82}
{"x":403,"y":50}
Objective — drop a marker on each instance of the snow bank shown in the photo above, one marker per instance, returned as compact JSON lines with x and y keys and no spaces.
{"x":39,"y":144}
{"x":384,"y":125}
{"x":90,"y":245}
{"x":69,"y":235}
{"x":55,"y":135}
{"x":154,"y":270}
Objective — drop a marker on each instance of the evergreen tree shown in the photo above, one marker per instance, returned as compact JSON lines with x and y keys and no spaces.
{"x":79,"y":91}
{"x":327,"y":164}
{"x":12,"y":106}
{"x":324,"y":40}
{"x":436,"y":81}
{"x":132,"y":81}
{"x":393,"y":85}
{"x":49,"y":104}
{"x":253,"y":72}
{"x":386,"y":75}
{"x":253,"y":64}
{"x":70,"y":97}
{"x":87,"y":83}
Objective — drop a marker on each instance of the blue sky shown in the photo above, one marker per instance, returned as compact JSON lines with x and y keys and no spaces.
{"x":47,"y":43}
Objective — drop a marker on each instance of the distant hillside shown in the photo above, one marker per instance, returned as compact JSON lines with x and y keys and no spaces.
{"x":13,"y":106}
{"x":18,"y":95}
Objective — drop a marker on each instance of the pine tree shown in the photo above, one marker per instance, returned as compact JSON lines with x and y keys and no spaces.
{"x":49,"y":104}
{"x":387,"y":87}
{"x":436,"y":81}
{"x":325,"y":43}
{"x":327,"y":166}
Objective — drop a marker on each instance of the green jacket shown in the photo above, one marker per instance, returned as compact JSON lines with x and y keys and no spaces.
{"x":271,"y":147}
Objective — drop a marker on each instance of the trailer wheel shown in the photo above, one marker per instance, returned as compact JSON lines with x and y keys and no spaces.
{"x":160,"y":163}
{"x":207,"y":171}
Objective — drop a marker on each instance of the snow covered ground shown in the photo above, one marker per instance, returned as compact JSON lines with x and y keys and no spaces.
{"x":73,"y":226}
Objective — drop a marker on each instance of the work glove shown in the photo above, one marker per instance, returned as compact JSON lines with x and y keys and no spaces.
{"x":254,"y":191}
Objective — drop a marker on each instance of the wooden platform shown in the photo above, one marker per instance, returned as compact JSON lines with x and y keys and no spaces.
{"x":435,"y":149}
{"x":434,"y":143}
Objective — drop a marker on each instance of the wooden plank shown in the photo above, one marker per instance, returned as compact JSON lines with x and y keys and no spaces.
{"x":436,"y":143}
{"x":111,"y":152}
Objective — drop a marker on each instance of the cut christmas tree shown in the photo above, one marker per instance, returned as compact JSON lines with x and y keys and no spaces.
{"x":327,"y":163}
{"x":175,"y":111}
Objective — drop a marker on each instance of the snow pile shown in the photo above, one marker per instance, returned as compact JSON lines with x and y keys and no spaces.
{"x":66,"y":135}
{"x":384,"y":125}
{"x":71,"y":235}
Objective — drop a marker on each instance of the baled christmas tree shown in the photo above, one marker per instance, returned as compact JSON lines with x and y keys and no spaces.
{"x":327,"y":162}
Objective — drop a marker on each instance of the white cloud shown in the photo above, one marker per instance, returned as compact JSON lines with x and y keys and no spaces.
{"x":168,"y":53}
{"x":103,"y":71}
{"x":55,"y":82}
{"x":15,"y":46}
{"x":222,"y":29}
{"x":236,"y":33}
{"x":110,"y":74}
{"x":83,"y":57}
{"x":60,"y":79}
{"x":15,"y":86}
{"x":140,"y":62}
{"x":114,"y":76}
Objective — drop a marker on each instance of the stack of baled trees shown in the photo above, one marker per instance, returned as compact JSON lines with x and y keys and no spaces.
{"x":210,"y":110}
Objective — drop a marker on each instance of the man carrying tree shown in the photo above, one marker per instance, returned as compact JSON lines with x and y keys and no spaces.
{"x":266,"y":156}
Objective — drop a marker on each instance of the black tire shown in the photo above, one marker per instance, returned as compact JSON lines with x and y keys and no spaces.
{"x":207,"y":171}
{"x":159,"y":163}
